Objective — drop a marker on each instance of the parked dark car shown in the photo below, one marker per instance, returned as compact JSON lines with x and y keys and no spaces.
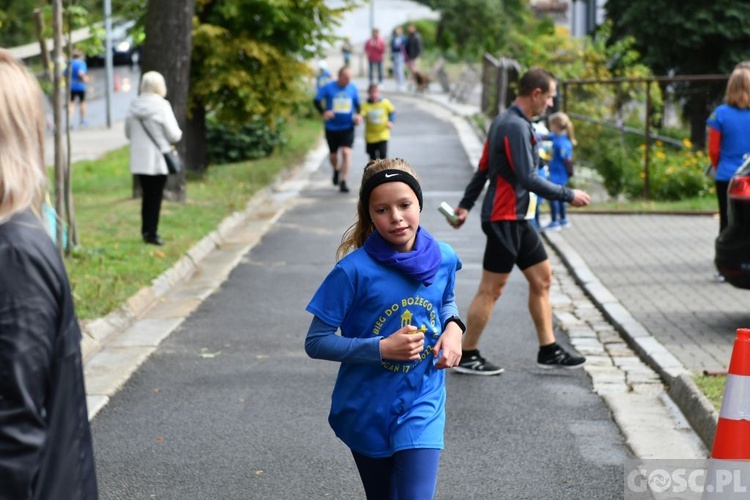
{"x":125,"y":48}
{"x":733,"y":244}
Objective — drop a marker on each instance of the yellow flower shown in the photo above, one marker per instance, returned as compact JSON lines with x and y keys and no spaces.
{"x":660,"y":155}
{"x":659,"y":143}
{"x":687,"y":143}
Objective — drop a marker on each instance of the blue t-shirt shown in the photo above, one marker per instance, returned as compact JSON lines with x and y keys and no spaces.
{"x":76,"y":67}
{"x":734,"y":125}
{"x":343,"y":101}
{"x":562,"y":149}
{"x":386,"y":406}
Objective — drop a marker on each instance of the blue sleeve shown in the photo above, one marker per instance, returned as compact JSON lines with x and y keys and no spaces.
{"x":323,"y":343}
{"x":322,"y":94}
{"x":392,"y":116}
{"x":449,"y":296}
{"x":714,"y":121}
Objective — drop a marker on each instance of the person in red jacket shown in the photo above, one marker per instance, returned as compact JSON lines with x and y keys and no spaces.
{"x":375,"y":48}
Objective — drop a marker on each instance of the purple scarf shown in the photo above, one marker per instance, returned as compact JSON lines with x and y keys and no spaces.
{"x":421,"y":264}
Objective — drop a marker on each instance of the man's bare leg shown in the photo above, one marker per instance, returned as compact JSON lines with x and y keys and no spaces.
{"x":491,"y":287}
{"x":551,"y":355}
{"x":539,"y":277}
{"x":334,"y":159}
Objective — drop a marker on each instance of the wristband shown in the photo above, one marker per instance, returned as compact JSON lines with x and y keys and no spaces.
{"x":457,"y":321}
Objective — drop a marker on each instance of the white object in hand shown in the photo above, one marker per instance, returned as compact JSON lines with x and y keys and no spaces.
{"x":448,"y":212}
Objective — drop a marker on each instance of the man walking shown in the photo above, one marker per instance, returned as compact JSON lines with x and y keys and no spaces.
{"x":338,"y":102}
{"x":509,"y":161}
{"x":413,"y":48}
{"x":375,"y":48}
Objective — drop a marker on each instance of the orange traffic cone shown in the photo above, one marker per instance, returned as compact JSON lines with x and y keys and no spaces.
{"x":728,"y":474}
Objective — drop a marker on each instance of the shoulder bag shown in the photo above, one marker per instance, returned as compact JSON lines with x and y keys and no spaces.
{"x":171,"y":157}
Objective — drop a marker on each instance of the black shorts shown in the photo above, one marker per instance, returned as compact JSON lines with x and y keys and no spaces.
{"x":80,"y":94}
{"x":509,"y":243}
{"x":339,"y":139}
{"x":377,"y":150}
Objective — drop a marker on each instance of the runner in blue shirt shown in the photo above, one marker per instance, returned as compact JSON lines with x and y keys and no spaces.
{"x":78,"y":79}
{"x":338,"y":102}
{"x":392,"y":298}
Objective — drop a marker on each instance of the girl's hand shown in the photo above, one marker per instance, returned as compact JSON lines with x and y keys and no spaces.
{"x":450,"y":345}
{"x":403,"y":345}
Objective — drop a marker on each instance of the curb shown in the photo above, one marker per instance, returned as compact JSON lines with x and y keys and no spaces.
{"x":696,"y":408}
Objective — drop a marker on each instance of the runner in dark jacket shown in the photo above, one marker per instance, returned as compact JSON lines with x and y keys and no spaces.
{"x":509,"y":161}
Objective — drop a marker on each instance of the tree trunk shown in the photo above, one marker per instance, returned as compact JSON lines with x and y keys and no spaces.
{"x":195,"y":137}
{"x":169,"y":40}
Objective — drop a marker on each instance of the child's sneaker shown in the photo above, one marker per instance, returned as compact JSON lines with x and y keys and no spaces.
{"x":564,"y":223}
{"x":553,"y":226}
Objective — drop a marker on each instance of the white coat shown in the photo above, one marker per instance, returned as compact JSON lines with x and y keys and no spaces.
{"x":156,"y":114}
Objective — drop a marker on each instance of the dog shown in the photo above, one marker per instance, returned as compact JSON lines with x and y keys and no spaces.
{"x":422,"y":81}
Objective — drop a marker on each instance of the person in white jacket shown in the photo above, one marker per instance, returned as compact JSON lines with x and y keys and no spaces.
{"x":152,"y":128}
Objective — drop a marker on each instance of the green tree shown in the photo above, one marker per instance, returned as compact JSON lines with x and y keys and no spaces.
{"x":249,"y":59}
{"x":473,"y":27}
{"x":687,"y":37}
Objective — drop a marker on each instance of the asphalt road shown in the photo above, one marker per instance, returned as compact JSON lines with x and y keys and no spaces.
{"x":230,"y":407}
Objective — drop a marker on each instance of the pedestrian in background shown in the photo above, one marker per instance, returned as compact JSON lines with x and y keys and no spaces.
{"x":729,"y":138}
{"x":413,"y":49}
{"x":338,"y":102}
{"x":375,"y":49}
{"x":392,"y":298}
{"x":561,"y":165}
{"x":46,"y":451}
{"x":379,"y":115}
{"x":323,"y":76}
{"x":78,"y":79}
{"x":510,"y":160}
{"x":152,"y":129}
{"x":346,"y":50}
{"x":398,"y":57}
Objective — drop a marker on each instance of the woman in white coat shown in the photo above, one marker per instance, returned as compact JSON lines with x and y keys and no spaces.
{"x":152,"y":128}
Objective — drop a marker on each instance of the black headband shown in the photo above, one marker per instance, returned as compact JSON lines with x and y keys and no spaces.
{"x":389,"y":175}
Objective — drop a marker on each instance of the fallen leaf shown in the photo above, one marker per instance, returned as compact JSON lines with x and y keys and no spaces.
{"x":159,"y":439}
{"x":210,"y":355}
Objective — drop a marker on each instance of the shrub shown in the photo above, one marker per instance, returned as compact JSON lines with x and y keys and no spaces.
{"x":256,"y":139}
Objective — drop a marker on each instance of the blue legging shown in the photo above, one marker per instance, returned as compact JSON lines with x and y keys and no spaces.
{"x":557,"y":210}
{"x":406,"y":475}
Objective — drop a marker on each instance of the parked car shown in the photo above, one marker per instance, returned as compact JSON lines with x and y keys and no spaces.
{"x":733,"y":244}
{"x":125,"y":48}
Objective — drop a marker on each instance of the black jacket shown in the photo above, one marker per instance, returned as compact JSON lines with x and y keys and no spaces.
{"x":45,"y":440}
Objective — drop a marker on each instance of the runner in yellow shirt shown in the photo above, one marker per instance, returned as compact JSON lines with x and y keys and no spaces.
{"x":378,"y":114}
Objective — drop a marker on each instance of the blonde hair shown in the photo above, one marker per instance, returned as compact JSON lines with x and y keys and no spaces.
{"x":738,"y":88}
{"x":23,"y":176}
{"x":152,"y":82}
{"x":561,"y":121}
{"x":357,"y":234}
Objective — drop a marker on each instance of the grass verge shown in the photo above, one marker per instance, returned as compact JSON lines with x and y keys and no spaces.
{"x":112,"y":263}
{"x":706,"y":204}
{"x":712,"y":387}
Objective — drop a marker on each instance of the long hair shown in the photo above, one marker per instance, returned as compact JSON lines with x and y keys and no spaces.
{"x":357,"y":234}
{"x":738,"y":88}
{"x":23,"y":176}
{"x":561,"y":121}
